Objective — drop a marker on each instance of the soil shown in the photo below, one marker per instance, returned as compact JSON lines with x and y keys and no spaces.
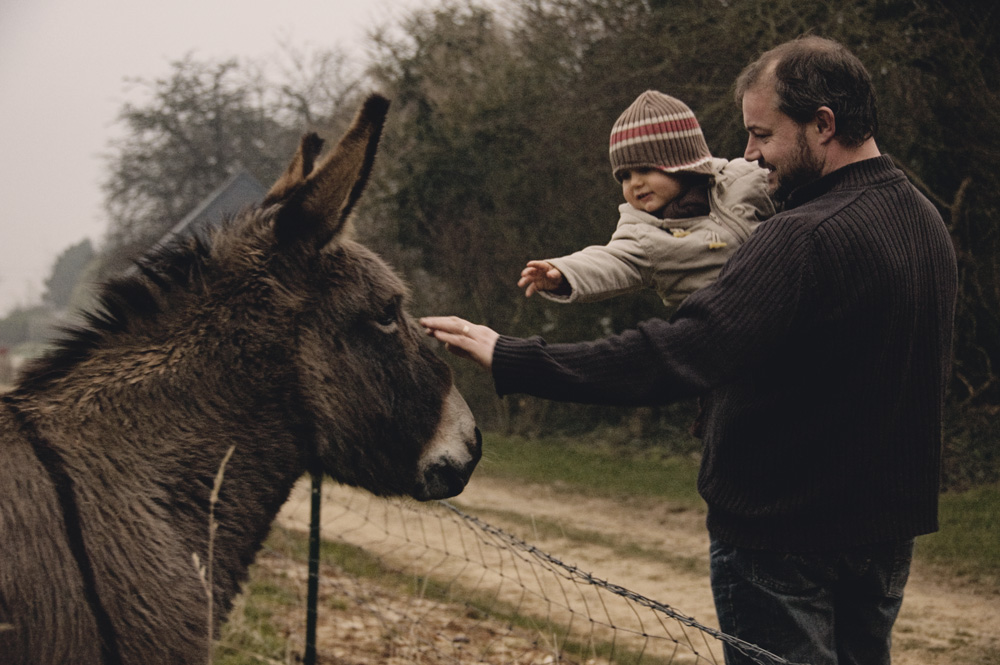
{"x":657,"y":551}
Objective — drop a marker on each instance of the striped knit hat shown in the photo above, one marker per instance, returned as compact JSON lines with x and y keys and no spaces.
{"x":658,"y":131}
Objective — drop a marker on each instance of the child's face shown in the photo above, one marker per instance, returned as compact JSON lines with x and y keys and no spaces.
{"x":650,"y":190}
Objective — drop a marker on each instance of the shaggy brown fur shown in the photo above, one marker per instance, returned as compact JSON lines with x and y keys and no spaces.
{"x":278,"y":336}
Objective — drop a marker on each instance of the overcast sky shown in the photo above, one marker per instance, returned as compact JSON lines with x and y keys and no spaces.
{"x":63,"y":65}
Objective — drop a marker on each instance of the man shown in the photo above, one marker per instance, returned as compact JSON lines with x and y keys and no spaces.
{"x":823,"y":348}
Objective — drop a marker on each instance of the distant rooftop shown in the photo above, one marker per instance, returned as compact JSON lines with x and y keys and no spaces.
{"x":238,"y":192}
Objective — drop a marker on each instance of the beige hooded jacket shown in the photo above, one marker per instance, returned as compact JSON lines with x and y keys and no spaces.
{"x":674,"y":257}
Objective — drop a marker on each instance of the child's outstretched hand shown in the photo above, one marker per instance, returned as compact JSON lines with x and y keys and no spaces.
{"x":540,"y":276}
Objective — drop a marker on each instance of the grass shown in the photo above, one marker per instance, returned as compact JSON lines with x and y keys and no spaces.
{"x":253,"y":634}
{"x":968,"y":542}
{"x":257,"y":630}
{"x":611,"y":471}
{"x":541,"y":528}
{"x":966,"y":546}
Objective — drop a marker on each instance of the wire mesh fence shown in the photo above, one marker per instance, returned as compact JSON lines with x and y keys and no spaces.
{"x":429,"y":583}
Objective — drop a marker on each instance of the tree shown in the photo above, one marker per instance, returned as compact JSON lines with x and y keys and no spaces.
{"x":496,"y":153}
{"x":204,"y":121}
{"x":197,"y":126}
{"x":66,"y":273}
{"x":496,"y":150}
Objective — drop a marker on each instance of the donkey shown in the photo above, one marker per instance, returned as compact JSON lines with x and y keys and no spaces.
{"x":279,"y":345}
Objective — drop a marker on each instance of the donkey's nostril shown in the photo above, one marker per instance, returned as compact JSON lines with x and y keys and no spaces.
{"x":476,"y":447}
{"x":443,"y":480}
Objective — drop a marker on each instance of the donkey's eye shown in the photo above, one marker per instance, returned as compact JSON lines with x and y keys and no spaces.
{"x":388,"y":317}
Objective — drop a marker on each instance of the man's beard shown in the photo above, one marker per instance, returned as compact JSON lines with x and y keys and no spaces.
{"x":804,"y":170}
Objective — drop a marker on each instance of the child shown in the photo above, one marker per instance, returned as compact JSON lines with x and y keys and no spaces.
{"x":685,"y":212}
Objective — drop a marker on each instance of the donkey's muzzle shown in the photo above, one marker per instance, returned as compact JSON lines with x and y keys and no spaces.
{"x":448,"y":459}
{"x":447,"y":476}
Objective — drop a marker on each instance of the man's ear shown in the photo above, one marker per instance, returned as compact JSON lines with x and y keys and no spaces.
{"x":825,"y":123}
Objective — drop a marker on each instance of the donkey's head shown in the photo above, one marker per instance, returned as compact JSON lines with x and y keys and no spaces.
{"x":381,"y":406}
{"x":280,"y":331}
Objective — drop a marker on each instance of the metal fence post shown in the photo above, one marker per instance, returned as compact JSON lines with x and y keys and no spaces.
{"x":313,"y":585}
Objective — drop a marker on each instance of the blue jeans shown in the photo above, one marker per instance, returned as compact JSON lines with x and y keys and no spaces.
{"x":829,"y":608}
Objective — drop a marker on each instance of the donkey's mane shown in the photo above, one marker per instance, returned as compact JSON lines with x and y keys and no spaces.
{"x":121,"y":302}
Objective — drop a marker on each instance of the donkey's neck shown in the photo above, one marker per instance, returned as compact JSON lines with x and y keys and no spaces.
{"x":155,"y":441}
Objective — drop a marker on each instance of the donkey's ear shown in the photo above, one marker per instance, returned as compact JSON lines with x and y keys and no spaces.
{"x":316,"y":200}
{"x":298,"y":170}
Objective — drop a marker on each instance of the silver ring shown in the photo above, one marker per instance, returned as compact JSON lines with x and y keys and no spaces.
{"x":465,"y":330}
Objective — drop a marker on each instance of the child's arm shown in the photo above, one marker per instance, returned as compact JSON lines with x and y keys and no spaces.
{"x":542,"y":276}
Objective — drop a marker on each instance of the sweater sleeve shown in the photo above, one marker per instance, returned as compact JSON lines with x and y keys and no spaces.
{"x":609,"y":371}
{"x":713,"y":336}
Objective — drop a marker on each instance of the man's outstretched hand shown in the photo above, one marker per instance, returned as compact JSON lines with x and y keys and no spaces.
{"x":462,"y":338}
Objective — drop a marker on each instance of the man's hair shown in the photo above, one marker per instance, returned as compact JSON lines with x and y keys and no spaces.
{"x":810,"y":72}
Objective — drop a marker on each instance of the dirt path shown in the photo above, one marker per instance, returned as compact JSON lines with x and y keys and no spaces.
{"x":941,"y":622}
{"x":647,"y":547}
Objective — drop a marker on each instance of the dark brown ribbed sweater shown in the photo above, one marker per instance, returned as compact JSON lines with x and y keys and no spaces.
{"x":823,"y":349}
